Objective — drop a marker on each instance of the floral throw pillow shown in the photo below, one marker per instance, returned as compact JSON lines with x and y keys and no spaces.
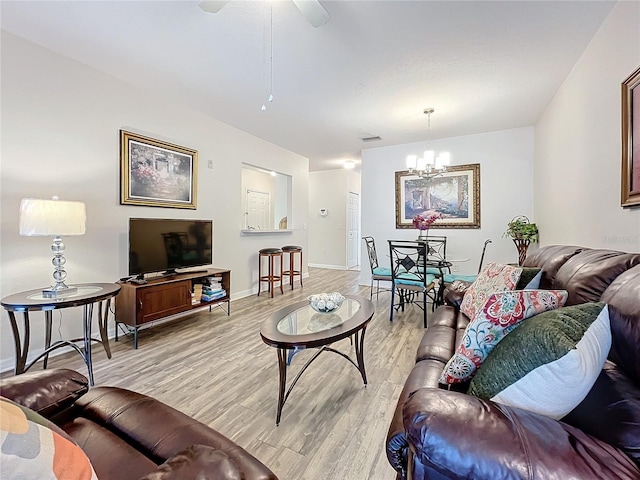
{"x":501,"y":313}
{"x":494,"y":278}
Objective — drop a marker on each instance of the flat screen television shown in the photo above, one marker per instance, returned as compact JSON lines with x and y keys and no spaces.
{"x":165,"y":245}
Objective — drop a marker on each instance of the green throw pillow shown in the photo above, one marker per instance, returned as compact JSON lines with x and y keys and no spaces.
{"x":529,"y":279}
{"x":549,"y":362}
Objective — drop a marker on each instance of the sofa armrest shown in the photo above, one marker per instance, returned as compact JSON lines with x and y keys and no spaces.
{"x":459,"y":436}
{"x":454,"y":293}
{"x":200,"y":462}
{"x":46,"y":391}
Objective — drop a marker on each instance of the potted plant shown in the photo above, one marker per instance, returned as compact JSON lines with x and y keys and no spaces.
{"x":522,"y":232}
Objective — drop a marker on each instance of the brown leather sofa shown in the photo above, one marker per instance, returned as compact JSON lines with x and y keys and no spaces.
{"x":127,"y":435}
{"x":437,"y":433}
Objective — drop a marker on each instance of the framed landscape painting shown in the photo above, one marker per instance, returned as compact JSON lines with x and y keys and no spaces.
{"x":455,"y":194}
{"x":155,"y":173}
{"x":631,"y":140}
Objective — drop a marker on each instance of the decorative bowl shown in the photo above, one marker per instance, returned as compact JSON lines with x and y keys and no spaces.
{"x":326,"y":302}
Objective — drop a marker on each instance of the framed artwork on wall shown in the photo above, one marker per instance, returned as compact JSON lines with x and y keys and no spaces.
{"x":154,"y":173}
{"x":631,"y":140}
{"x":455,"y":194}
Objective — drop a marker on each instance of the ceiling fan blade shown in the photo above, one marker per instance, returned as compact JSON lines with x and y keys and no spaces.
{"x":313,"y":11}
{"x":212,"y":6}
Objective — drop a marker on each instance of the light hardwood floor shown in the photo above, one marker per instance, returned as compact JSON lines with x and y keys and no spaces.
{"x":217,"y":369}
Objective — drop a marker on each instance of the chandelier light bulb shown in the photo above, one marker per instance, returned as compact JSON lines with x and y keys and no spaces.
{"x":264,"y":108}
{"x":429,"y":156}
{"x":270,"y":98}
{"x":412,"y":162}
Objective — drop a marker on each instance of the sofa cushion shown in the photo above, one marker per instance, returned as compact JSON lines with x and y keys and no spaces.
{"x":622,"y":297}
{"x":494,"y":278}
{"x":587,"y":274}
{"x":456,"y":436}
{"x":501,"y":313}
{"x":611,"y":411}
{"x":31,"y":448}
{"x":550,"y":259}
{"x":549,"y":363}
{"x":46,"y":392}
{"x":200,"y":462}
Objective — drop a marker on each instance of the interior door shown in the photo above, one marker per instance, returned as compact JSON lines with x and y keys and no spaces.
{"x":353,"y":229}
{"x":258,"y":204}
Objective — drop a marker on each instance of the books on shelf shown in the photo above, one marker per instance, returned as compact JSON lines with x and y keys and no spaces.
{"x":208,"y":296}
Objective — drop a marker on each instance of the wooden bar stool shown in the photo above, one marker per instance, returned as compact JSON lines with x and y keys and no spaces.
{"x":291,"y":271}
{"x":271,"y":254}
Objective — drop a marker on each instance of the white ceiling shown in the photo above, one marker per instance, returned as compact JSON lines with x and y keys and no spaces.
{"x":371,"y":70}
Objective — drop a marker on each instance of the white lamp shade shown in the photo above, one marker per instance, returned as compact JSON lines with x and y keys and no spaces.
{"x":443,"y":160}
{"x":429,"y":156}
{"x":52,"y":217}
{"x":412,"y":162}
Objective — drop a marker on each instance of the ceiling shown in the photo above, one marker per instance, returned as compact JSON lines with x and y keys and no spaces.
{"x":370,"y":71}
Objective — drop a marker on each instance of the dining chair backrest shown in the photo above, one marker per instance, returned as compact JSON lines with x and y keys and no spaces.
{"x":371,"y":251}
{"x":407,"y":263}
{"x":436,"y":247}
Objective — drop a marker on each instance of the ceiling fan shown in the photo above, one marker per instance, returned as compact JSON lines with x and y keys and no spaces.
{"x":311,"y":9}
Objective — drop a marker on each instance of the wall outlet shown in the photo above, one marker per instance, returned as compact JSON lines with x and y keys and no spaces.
{"x":210,"y":164}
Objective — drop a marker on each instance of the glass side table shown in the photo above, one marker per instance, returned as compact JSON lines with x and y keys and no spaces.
{"x":87,"y":295}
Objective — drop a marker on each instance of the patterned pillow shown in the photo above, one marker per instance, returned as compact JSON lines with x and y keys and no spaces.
{"x":494,"y":278}
{"x":549,"y":363}
{"x":29,"y":449}
{"x":501,"y":313}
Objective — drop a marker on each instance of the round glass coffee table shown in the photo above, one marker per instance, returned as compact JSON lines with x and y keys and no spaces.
{"x":298,"y":326}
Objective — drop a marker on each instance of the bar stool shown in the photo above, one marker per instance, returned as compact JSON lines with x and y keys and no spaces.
{"x":291,"y":271}
{"x":271,"y":254}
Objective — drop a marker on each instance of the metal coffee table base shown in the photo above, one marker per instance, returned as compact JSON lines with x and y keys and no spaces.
{"x":284,"y":360}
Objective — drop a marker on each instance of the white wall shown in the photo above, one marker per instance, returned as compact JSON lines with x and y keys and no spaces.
{"x":60,"y":136}
{"x":328,"y":235}
{"x":578,"y":144}
{"x":506,"y":190}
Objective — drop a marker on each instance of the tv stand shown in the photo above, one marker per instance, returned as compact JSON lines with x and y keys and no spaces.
{"x":161,"y":297}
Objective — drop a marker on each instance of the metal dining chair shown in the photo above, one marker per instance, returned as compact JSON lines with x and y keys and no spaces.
{"x":378,"y":273}
{"x":449,"y":278}
{"x":411,"y":281}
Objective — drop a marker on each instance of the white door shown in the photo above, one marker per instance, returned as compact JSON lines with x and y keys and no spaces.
{"x":257,"y":210}
{"x":353,"y":228}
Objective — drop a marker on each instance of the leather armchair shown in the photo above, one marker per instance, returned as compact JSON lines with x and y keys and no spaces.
{"x":127,"y":435}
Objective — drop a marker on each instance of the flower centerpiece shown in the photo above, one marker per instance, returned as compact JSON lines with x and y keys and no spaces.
{"x":423,"y":221}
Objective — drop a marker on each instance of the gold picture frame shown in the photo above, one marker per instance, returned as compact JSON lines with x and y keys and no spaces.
{"x":630,"y":189}
{"x":455,"y":194}
{"x":154,"y":173}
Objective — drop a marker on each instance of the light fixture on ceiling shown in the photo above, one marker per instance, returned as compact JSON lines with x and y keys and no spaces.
{"x":349,"y":165}
{"x":429,"y":165}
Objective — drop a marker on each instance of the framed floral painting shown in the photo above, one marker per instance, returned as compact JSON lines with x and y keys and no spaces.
{"x":154,"y":173}
{"x":631,"y":140}
{"x":455,"y":195}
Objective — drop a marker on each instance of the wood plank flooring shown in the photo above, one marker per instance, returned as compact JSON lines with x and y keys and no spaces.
{"x":217,"y":369}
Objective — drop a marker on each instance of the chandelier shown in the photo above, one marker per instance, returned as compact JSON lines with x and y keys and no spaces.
{"x":429,"y":165}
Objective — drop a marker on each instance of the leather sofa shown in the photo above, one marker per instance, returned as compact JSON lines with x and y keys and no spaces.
{"x":439,"y":433}
{"x":127,"y":435}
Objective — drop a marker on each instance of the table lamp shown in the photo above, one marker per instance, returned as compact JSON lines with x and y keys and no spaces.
{"x":53,"y":218}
